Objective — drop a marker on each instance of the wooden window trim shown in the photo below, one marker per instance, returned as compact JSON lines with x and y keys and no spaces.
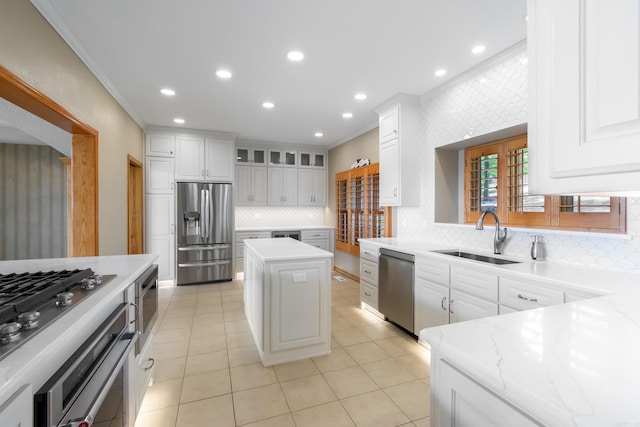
{"x":551,"y":218}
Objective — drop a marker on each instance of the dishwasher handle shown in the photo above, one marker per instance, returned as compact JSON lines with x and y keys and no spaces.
{"x":398,"y":255}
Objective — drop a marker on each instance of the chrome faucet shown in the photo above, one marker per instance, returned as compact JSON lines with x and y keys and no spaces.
{"x":500,"y":236}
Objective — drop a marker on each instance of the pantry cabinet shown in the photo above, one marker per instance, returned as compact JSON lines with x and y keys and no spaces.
{"x":160,"y":229}
{"x":251,"y":185}
{"x":584,"y":96}
{"x":283,"y":186}
{"x":399,"y":128}
{"x":159,"y":175}
{"x":312,"y":187}
{"x":204,"y":159}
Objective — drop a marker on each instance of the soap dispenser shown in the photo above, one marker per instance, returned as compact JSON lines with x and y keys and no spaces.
{"x":536,"y":248}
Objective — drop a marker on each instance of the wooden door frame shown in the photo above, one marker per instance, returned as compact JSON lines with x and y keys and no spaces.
{"x":83,"y":214}
{"x":136,"y":166}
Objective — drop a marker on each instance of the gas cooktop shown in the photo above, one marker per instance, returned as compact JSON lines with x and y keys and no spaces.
{"x":31,"y":301}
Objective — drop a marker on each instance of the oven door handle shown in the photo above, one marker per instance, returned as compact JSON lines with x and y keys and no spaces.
{"x":86,"y":406}
{"x":204,"y":264}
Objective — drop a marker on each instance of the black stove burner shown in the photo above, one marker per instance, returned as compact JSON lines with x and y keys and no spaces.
{"x":25,"y":291}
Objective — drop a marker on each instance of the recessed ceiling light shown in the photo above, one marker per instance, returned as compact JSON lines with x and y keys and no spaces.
{"x":178,"y":120}
{"x":295,"y":55}
{"x":360,"y":96}
{"x":440,"y":73}
{"x":318,"y":134}
{"x":478,"y":49}
{"x":167,"y":91}
{"x":347,"y":115}
{"x":223,"y":74}
{"x":268,"y":104}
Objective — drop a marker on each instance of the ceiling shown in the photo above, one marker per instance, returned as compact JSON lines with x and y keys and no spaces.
{"x":378,"y":47}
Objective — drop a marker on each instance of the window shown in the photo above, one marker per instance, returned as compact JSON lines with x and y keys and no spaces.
{"x":496,"y":179}
{"x":358,"y":209}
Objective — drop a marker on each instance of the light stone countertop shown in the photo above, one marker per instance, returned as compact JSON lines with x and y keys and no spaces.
{"x":570,"y":364}
{"x":286,"y":228}
{"x":35,"y":361}
{"x":279,"y":249}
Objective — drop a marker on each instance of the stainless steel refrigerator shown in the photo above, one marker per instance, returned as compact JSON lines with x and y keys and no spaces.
{"x":204,"y":217}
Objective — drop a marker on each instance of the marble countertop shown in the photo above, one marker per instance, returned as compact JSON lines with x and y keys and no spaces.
{"x":570,"y":364}
{"x":284,"y":249}
{"x":34,"y":362}
{"x":286,"y":228}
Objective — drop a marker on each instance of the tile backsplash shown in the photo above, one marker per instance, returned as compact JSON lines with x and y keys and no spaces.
{"x":483,"y":101}
{"x":274,"y":216}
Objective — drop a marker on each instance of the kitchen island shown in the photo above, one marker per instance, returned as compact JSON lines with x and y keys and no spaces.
{"x":26,"y":370}
{"x":287,"y":299}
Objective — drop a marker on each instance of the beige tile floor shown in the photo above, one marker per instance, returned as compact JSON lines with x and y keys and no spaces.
{"x":208,"y":372}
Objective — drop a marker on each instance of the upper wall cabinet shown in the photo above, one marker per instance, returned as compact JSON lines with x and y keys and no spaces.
{"x":160,"y":145}
{"x":584,"y":96}
{"x":248,"y":155}
{"x":312,"y":160}
{"x":399,"y":151}
{"x":204,"y":159}
{"x":283,"y":158}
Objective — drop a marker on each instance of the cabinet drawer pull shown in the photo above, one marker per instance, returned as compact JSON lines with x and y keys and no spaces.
{"x":451,"y":306}
{"x":153,"y":362}
{"x":367,"y":271}
{"x":442,"y":303}
{"x":367,"y":294}
{"x":527,"y":298}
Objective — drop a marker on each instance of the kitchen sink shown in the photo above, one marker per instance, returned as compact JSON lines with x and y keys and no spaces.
{"x":477,"y":257}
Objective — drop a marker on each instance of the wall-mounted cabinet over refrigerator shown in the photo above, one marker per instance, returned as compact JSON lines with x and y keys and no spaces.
{"x":204,"y":216}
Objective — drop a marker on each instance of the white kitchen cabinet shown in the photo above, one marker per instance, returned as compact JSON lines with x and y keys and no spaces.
{"x":312,"y":187}
{"x":18,"y":410}
{"x":322,"y":238}
{"x":584,"y":96}
{"x":251,"y":185}
{"x":369,"y":255}
{"x":283,"y":158}
{"x":399,"y":128}
{"x":312,"y":160}
{"x":458,"y":400}
{"x":204,"y":159}
{"x":283,"y":186}
{"x":159,"y":175}
{"x":159,"y":145}
{"x":475,"y":281}
{"x":239,"y":247}
{"x":251,"y":155}
{"x":160,"y":228}
{"x":431,"y":305}
{"x":463,"y":307}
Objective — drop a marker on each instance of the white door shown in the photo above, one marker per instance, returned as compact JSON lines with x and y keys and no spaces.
{"x":159,"y":145}
{"x":466,"y":307}
{"x":219,"y":160}
{"x":243,"y":185}
{"x":160,"y":238}
{"x":305,"y":187}
{"x":584,"y":102}
{"x":159,"y":175}
{"x":274,"y":190}
{"x":389,"y":124}
{"x":290,"y":186}
{"x":319,"y":189}
{"x":259,"y":185}
{"x":431,"y":305}
{"x":389,"y":173}
{"x":190,"y":159}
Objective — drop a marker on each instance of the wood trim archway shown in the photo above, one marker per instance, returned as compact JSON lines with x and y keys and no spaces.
{"x":83,"y":212}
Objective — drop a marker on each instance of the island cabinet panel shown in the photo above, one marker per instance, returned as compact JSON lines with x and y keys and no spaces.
{"x":18,"y":411}
{"x":298,"y":296}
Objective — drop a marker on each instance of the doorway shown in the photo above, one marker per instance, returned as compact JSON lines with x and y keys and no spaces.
{"x":135,"y":210}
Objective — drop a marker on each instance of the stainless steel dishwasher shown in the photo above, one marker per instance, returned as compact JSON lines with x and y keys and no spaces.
{"x":395,"y":287}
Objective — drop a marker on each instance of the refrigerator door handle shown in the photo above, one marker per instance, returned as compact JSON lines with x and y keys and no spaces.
{"x":204,"y":248}
{"x":208,"y":195}
{"x":203,"y":213}
{"x":204,"y":264}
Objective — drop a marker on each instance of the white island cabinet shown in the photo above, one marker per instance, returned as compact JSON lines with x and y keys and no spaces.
{"x":287,"y":299}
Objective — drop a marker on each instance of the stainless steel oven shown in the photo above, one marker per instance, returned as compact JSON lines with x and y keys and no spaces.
{"x":147,"y":302}
{"x":90,"y":387}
